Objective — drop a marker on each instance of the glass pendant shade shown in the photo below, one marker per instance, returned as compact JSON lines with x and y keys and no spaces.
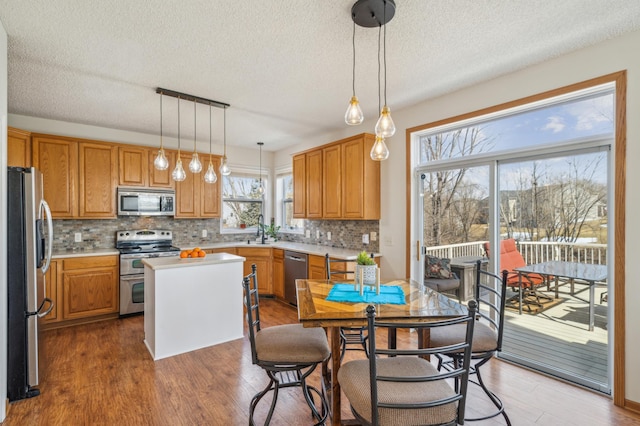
{"x":224,"y":167}
{"x":161,"y":162}
{"x":178,"y":173}
{"x":260,"y":188}
{"x":210,"y":176}
{"x":354,"y":115}
{"x":385,"y":126}
{"x":379,"y":150}
{"x":195,"y":166}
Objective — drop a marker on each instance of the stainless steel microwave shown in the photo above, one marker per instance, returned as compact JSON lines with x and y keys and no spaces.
{"x":146,"y":202}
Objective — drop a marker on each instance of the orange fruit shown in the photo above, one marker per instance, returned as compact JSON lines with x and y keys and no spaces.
{"x":183,"y":254}
{"x":196,"y":249}
{"x":201,"y":254}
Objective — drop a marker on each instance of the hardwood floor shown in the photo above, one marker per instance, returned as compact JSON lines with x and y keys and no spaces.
{"x":102,"y":374}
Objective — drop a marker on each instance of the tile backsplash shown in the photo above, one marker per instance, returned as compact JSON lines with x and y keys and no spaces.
{"x":188,"y":232}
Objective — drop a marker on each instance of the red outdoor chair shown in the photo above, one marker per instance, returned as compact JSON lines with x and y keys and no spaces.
{"x":510,"y":258}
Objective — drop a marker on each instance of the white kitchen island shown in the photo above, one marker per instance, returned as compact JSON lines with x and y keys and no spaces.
{"x":190,"y":304}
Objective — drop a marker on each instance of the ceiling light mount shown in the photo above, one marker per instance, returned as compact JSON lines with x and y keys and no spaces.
{"x":373,"y":13}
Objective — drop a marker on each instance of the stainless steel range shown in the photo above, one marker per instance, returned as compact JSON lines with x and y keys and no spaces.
{"x":135,"y":246}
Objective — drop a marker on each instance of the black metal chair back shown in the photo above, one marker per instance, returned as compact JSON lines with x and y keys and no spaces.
{"x":399,"y":376}
{"x":252,"y":307}
{"x":491,"y":290}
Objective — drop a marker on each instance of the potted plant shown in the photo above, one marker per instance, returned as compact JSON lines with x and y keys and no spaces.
{"x":367,"y":265}
{"x":271,"y":231}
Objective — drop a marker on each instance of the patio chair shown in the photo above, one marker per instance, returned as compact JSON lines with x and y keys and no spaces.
{"x":525,"y":284}
{"x":491,"y":291}
{"x":288,"y":353}
{"x":438,"y":276}
{"x":351,"y":338}
{"x":399,"y":386}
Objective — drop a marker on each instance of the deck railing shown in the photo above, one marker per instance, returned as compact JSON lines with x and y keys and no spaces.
{"x":532,"y":251}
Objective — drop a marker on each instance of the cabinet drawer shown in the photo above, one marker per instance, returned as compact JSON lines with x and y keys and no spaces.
{"x":253,"y":252}
{"x":278,"y":254}
{"x":89,"y":262}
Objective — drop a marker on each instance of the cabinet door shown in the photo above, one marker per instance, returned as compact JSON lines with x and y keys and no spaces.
{"x":210,"y":199}
{"x":332,"y":178}
{"x":51,"y":291}
{"x":90,"y":292}
{"x":316,"y":268}
{"x":299,"y":186}
{"x":57,"y":159}
{"x":353,"y":185}
{"x":133,"y":165}
{"x":264,"y":273}
{"x":18,"y":148}
{"x":188,"y":192}
{"x":278,"y":273}
{"x":161,"y":178}
{"x":98,"y":177}
{"x":314,"y":184}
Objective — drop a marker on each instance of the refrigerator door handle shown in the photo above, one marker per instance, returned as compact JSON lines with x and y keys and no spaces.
{"x":45,"y":313}
{"x":44,"y":206}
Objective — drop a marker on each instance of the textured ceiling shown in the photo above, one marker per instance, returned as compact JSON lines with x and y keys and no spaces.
{"x":284,"y":66}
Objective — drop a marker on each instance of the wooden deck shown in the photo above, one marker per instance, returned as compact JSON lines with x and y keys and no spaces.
{"x":557,"y":341}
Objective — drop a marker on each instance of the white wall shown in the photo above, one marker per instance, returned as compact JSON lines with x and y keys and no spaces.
{"x":3,"y":221}
{"x":604,"y":58}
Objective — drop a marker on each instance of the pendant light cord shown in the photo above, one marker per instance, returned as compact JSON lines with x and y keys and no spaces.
{"x":195,"y":125}
{"x":224,"y":131}
{"x":178,"y":127}
{"x":161,"y":120}
{"x":379,"y":30}
{"x":353,"y":42}
{"x":384,"y":16}
{"x":209,"y":134}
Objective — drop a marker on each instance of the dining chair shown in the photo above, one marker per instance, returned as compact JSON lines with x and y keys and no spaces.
{"x":491,"y":291}
{"x":288,"y":353}
{"x":351,"y":338}
{"x":401,"y":387}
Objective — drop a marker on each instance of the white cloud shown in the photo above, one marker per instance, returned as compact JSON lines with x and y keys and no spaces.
{"x":555,"y":124}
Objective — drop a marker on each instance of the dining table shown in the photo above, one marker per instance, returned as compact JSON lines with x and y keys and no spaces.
{"x":317,"y":309}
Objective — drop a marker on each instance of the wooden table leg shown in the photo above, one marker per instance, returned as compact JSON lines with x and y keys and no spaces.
{"x":335,"y":386}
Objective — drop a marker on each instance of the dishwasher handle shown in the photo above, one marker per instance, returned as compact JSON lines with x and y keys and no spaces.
{"x":294,"y":258}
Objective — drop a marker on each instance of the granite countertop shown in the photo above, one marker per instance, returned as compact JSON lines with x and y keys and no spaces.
{"x":159,"y":263}
{"x":313,"y":249}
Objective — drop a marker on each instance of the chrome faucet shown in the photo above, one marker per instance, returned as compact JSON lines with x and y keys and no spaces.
{"x":261,"y":226}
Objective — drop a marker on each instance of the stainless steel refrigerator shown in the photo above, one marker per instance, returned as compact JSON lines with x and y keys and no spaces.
{"x":28,"y":258}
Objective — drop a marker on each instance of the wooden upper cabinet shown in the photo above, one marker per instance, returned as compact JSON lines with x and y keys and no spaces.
{"x":332,"y":182}
{"x":133,"y":166}
{"x":161,"y":178}
{"x":210,"y":198}
{"x":57,"y":159}
{"x":361,"y":179}
{"x":18,"y":147}
{"x":98,"y":177}
{"x":314,"y":184}
{"x":299,"y":186}
{"x":188,"y":192}
{"x":338,"y":181}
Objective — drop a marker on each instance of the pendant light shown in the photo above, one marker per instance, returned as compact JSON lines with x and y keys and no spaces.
{"x":224,"y":167}
{"x":161,"y":162}
{"x":178,"y":173}
{"x":379,"y":150}
{"x":260,"y":187}
{"x":385,"y":126}
{"x":210,"y":176}
{"x":354,"y":115}
{"x":195,"y":166}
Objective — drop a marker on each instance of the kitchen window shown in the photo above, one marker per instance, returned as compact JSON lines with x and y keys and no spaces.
{"x":241,"y":202}
{"x":284,"y":197}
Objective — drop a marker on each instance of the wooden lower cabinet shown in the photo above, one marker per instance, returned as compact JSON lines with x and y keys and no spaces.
{"x":90,"y":287}
{"x":316,"y":268}
{"x":278,"y":273}
{"x":262,"y":258}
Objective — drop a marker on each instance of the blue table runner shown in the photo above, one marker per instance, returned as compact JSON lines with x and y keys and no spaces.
{"x":391,"y":294}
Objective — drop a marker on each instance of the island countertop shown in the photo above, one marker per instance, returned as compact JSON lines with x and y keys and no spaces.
{"x":159,"y":263}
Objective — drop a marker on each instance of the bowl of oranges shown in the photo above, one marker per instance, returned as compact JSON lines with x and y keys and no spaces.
{"x":196,"y":253}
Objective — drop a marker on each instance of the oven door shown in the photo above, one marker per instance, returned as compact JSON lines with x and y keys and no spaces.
{"x":131,"y":294}
{"x":131,"y":264}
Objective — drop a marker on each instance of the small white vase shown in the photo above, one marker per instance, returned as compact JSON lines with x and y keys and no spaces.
{"x":368,"y":274}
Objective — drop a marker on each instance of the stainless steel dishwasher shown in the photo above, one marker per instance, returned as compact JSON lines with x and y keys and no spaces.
{"x":295,"y":266}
